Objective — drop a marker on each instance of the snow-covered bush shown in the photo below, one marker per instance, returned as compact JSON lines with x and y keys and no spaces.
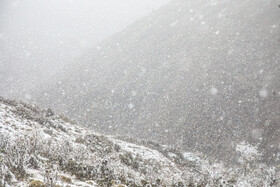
{"x":248,"y":152}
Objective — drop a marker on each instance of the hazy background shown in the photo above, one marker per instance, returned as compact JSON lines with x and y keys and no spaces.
{"x":197,"y":74}
{"x":38,"y":37}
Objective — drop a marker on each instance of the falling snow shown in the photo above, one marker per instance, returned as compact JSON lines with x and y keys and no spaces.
{"x":159,"y":84}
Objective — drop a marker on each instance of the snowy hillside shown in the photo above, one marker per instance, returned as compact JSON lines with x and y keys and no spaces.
{"x":39,"y":147}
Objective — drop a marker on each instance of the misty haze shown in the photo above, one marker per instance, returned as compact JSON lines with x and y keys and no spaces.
{"x":139,"y":93}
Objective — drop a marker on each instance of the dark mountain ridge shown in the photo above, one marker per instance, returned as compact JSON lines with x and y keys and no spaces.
{"x":195,"y":74}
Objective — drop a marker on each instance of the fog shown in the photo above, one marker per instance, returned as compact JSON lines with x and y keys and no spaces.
{"x":197,"y":75}
{"x":39,"y":37}
{"x":140,"y":93}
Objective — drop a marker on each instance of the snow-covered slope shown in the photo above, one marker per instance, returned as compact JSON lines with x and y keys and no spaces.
{"x":39,"y":147}
{"x":37,"y":140}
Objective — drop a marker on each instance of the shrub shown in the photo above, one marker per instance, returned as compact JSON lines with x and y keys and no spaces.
{"x":37,"y":183}
{"x":66,"y":179}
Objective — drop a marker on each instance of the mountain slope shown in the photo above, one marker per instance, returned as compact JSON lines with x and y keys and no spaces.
{"x":40,"y":148}
{"x":32,"y":140}
{"x":195,"y":74}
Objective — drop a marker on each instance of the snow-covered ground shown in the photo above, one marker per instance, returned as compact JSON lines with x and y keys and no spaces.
{"x":39,"y":147}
